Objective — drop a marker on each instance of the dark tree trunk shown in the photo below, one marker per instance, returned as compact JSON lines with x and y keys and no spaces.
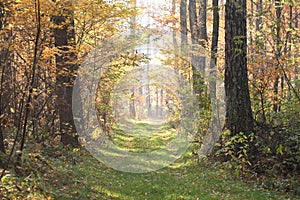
{"x":238,"y":106}
{"x":202,"y":37}
{"x":196,"y":76}
{"x":216,"y":126}
{"x":278,"y":4}
{"x":296,"y":71}
{"x":3,"y":59}
{"x":214,"y":47}
{"x":193,"y":21}
{"x":64,"y":40}
{"x":6,"y":73}
{"x":183,"y":23}
{"x":202,"y":29}
{"x":259,"y":19}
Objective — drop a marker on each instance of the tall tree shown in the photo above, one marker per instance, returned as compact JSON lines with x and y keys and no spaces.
{"x":202,"y":35}
{"x":183,"y":23}
{"x":238,"y":106}
{"x":193,"y":21}
{"x":5,"y":68}
{"x":32,"y":82}
{"x":174,"y":24}
{"x":213,"y":63}
{"x":278,"y":49}
{"x":64,"y":36}
{"x":296,"y":70}
{"x":202,"y":28}
{"x":196,"y":77}
{"x":199,"y":39}
{"x":214,"y":46}
{"x":2,"y":65}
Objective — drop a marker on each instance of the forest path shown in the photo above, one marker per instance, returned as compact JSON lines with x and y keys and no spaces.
{"x":142,"y":135}
{"x":184,"y":179}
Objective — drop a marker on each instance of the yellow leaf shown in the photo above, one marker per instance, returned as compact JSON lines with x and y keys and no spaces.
{"x":12,"y":110}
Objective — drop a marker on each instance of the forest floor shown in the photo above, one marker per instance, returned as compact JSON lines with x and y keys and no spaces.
{"x":60,"y":173}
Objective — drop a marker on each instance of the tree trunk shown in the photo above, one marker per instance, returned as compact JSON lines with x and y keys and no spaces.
{"x":259,"y":19}
{"x":148,"y":98}
{"x":198,"y":34}
{"x":161,"y":110}
{"x":193,"y":21}
{"x":5,"y":76}
{"x":183,"y":24}
{"x":196,"y":76}
{"x":296,"y":71}
{"x":3,"y":59}
{"x":215,"y":126}
{"x":202,"y":37}
{"x":64,"y":39}
{"x":214,"y":47}
{"x":278,"y":4}
{"x":202,"y":29}
{"x":238,"y":106}
{"x":173,"y":25}
{"x":213,"y":68}
{"x":132,"y":104}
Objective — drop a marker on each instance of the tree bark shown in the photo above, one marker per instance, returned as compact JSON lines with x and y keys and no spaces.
{"x":202,"y":28}
{"x":196,"y":76}
{"x":193,"y":21}
{"x":214,"y":47}
{"x":296,"y":70}
{"x":174,"y":24}
{"x":199,"y":38}
{"x":259,"y":19}
{"x":238,"y":106}
{"x":64,"y":36}
{"x":202,"y":36}
{"x":183,"y":23}
{"x":5,"y":77}
{"x":278,"y":4}
{"x":2,"y":65}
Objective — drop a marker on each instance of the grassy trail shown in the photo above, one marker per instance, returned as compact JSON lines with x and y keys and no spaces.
{"x":184,"y":179}
{"x":71,"y":175}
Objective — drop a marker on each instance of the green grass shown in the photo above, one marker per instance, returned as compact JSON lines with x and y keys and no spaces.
{"x":142,"y":136}
{"x":78,"y":175}
{"x":185,"y":179}
{"x":67,"y":175}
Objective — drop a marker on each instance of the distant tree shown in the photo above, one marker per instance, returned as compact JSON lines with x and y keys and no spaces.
{"x":132,"y":104}
{"x":199,"y":38}
{"x":238,"y":106}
